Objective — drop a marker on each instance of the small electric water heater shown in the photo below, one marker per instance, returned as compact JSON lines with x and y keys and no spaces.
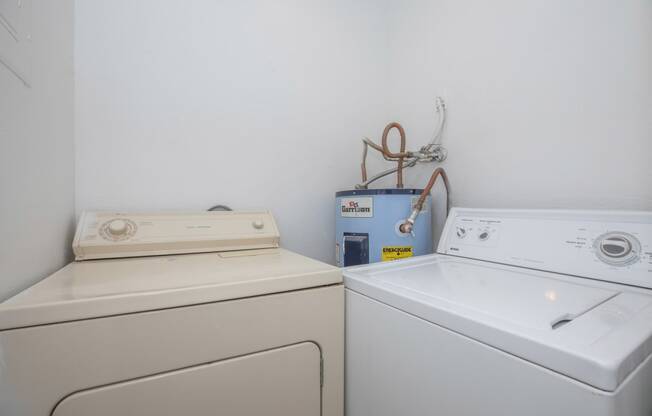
{"x":373,"y":225}
{"x":367,"y":226}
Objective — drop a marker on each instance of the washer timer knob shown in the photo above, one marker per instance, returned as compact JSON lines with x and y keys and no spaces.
{"x":617,"y":248}
{"x":484,"y":235}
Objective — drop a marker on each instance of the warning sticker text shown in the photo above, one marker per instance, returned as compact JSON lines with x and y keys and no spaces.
{"x":396,"y":252}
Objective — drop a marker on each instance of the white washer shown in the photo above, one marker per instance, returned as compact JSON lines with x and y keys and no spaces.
{"x":236,"y":326}
{"x":521,"y":313}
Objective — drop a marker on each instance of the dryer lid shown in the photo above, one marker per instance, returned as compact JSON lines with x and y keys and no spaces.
{"x":98,"y":288}
{"x":594,"y":332}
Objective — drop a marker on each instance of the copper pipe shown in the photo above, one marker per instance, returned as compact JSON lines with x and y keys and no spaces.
{"x":363,"y":165}
{"x":374,"y":146}
{"x":400,"y":156}
{"x":408,"y":225}
{"x":426,"y":191}
{"x":366,"y":144}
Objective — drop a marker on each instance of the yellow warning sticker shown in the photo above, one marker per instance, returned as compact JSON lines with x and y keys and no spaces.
{"x":396,"y":252}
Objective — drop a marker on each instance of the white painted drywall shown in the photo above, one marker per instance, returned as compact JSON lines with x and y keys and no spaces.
{"x":253,"y":104}
{"x":256,"y":104}
{"x":36,"y":141}
{"x":181,"y":105}
{"x":550,"y":101}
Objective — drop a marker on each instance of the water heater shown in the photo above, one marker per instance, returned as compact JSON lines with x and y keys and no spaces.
{"x":367,"y":225}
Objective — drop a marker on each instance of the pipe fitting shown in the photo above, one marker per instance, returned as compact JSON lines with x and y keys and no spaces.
{"x":408,"y":226}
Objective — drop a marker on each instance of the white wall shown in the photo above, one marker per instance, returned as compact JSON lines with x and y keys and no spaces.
{"x":550,"y":101}
{"x":36,"y":141}
{"x":181,"y":105}
{"x":253,"y":104}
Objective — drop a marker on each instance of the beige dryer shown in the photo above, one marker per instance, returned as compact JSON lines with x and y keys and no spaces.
{"x":234,"y":326}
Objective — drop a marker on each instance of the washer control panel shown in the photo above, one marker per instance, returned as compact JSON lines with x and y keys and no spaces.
{"x":611,"y":246}
{"x":114,"y":234}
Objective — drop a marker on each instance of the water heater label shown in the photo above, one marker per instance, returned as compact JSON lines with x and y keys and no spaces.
{"x":357,"y":207}
{"x":396,"y":252}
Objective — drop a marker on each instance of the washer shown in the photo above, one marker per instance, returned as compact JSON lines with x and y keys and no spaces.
{"x":521,"y":312}
{"x":170,"y":314}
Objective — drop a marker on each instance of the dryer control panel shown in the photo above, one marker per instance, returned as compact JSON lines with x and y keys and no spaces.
{"x":115,"y":234}
{"x":604,"y":245}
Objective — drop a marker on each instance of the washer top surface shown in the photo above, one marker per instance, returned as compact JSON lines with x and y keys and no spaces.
{"x":595,"y":332}
{"x":97,"y":288}
{"x":568,"y":290}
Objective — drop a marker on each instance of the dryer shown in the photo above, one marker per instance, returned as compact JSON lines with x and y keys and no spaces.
{"x":522,"y":312}
{"x":167,"y":314}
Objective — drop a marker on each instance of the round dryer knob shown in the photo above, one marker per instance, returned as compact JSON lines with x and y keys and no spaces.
{"x":117,"y":227}
{"x":617,"y":248}
{"x":258,"y":224}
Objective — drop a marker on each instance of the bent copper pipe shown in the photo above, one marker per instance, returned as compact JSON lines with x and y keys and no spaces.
{"x":366,"y":144}
{"x":408,"y":225}
{"x":363,"y":165}
{"x":400,"y":156}
{"x":433,"y":178}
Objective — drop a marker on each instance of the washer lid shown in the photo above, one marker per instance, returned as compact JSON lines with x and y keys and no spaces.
{"x":594,"y":332}
{"x":97,"y":288}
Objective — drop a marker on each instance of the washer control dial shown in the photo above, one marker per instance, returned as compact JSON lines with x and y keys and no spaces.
{"x":617,"y":248}
{"x":118,"y":229}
